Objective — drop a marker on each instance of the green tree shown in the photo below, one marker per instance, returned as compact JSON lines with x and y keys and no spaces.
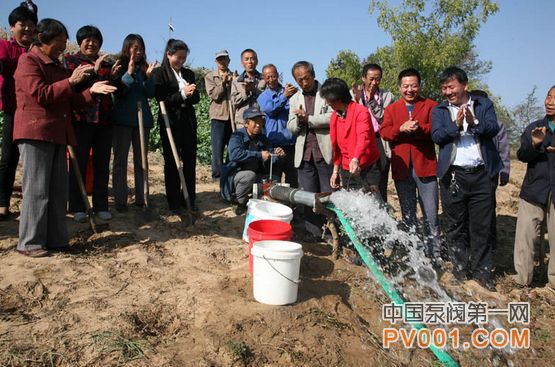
{"x":346,"y":65}
{"x":430,"y":36}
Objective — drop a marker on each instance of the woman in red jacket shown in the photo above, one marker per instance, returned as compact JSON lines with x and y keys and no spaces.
{"x":42,"y":129}
{"x":407,"y":125}
{"x":355,"y":154}
{"x":92,"y":126}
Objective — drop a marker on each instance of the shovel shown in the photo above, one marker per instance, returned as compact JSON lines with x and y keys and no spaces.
{"x":230,"y":106}
{"x":189,"y":218}
{"x":149,"y":215}
{"x":96,"y":228}
{"x":231,"y":115}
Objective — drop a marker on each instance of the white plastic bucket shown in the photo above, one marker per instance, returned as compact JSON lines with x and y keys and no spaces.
{"x":262,"y":209}
{"x":276,"y":271}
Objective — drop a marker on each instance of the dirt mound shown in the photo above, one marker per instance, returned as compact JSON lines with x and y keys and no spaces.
{"x":164,"y":294}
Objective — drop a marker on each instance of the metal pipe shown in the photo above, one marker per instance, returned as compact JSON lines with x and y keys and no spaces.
{"x":291,"y":195}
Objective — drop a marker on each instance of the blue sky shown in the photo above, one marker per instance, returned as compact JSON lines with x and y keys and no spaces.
{"x":516,"y":39}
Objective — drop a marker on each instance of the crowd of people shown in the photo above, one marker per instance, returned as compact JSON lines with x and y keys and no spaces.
{"x":316,"y":136}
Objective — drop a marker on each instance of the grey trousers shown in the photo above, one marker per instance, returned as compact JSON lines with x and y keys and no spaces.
{"x":529,"y":230}
{"x":426,"y":189}
{"x":122,"y":138}
{"x":43,"y":210}
{"x":243,"y":182}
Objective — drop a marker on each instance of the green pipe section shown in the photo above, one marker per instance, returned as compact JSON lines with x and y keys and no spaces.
{"x":391,"y":292}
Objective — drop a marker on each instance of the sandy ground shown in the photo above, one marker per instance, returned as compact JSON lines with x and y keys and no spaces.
{"x":163,"y":294}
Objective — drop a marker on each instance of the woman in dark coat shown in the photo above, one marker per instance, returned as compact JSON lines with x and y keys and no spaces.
{"x":175,"y":85}
{"x":42,"y":129}
{"x":93,"y":126}
{"x":134,"y":85}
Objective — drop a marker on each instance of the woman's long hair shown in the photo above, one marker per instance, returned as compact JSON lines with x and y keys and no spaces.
{"x":125,"y":54}
{"x":172,"y":47}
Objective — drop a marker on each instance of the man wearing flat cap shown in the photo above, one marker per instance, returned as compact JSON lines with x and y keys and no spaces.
{"x":250,"y":155}
{"x":218,"y":87}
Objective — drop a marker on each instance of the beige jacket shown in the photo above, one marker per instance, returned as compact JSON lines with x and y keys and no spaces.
{"x":219,"y":94}
{"x":241,"y":101}
{"x":320,"y":122}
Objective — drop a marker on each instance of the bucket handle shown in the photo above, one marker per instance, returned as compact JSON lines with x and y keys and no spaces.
{"x":277,"y":271}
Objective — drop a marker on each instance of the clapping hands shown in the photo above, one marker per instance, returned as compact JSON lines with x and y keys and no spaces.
{"x":80,"y":73}
{"x":409,"y":126}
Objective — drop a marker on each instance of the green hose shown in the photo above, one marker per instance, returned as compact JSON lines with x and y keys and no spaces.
{"x":391,"y":292}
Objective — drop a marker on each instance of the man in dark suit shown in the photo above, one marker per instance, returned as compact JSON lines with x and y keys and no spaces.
{"x":464,"y":127}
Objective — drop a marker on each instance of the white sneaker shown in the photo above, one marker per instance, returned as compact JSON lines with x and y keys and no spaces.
{"x":104,"y":215}
{"x":80,"y":217}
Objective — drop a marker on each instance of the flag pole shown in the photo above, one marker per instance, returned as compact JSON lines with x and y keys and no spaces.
{"x":170,"y":29}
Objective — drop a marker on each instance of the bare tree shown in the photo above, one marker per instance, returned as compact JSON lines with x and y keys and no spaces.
{"x":524,"y":113}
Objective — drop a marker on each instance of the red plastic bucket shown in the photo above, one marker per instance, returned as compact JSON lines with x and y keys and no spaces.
{"x":267,"y":229}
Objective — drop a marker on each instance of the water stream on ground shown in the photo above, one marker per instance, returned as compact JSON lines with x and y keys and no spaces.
{"x":399,"y":252}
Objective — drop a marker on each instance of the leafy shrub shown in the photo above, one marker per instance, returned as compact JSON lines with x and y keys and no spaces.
{"x":204,"y":147}
{"x":154,"y":141}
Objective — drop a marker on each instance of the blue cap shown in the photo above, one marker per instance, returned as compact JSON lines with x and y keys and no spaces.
{"x":252,"y":112}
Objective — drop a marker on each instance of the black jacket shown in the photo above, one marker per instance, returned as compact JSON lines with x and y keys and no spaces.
{"x":539,"y":180}
{"x":166,"y":89}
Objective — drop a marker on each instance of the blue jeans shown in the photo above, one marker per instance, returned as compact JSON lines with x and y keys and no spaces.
{"x":220,"y":132}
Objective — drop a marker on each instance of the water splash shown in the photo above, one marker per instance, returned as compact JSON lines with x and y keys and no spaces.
{"x":399,"y":252}
{"x":381,"y":232}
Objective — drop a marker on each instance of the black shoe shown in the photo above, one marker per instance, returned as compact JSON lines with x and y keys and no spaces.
{"x":121,"y":208}
{"x":489,"y":284}
{"x":355,"y":260}
{"x":61,"y":249}
{"x":458,"y":278}
{"x":240,"y":209}
{"x":309,"y":238}
{"x":177,"y":211}
{"x":513,"y":284}
{"x":5,"y":216}
{"x":437,"y":262}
